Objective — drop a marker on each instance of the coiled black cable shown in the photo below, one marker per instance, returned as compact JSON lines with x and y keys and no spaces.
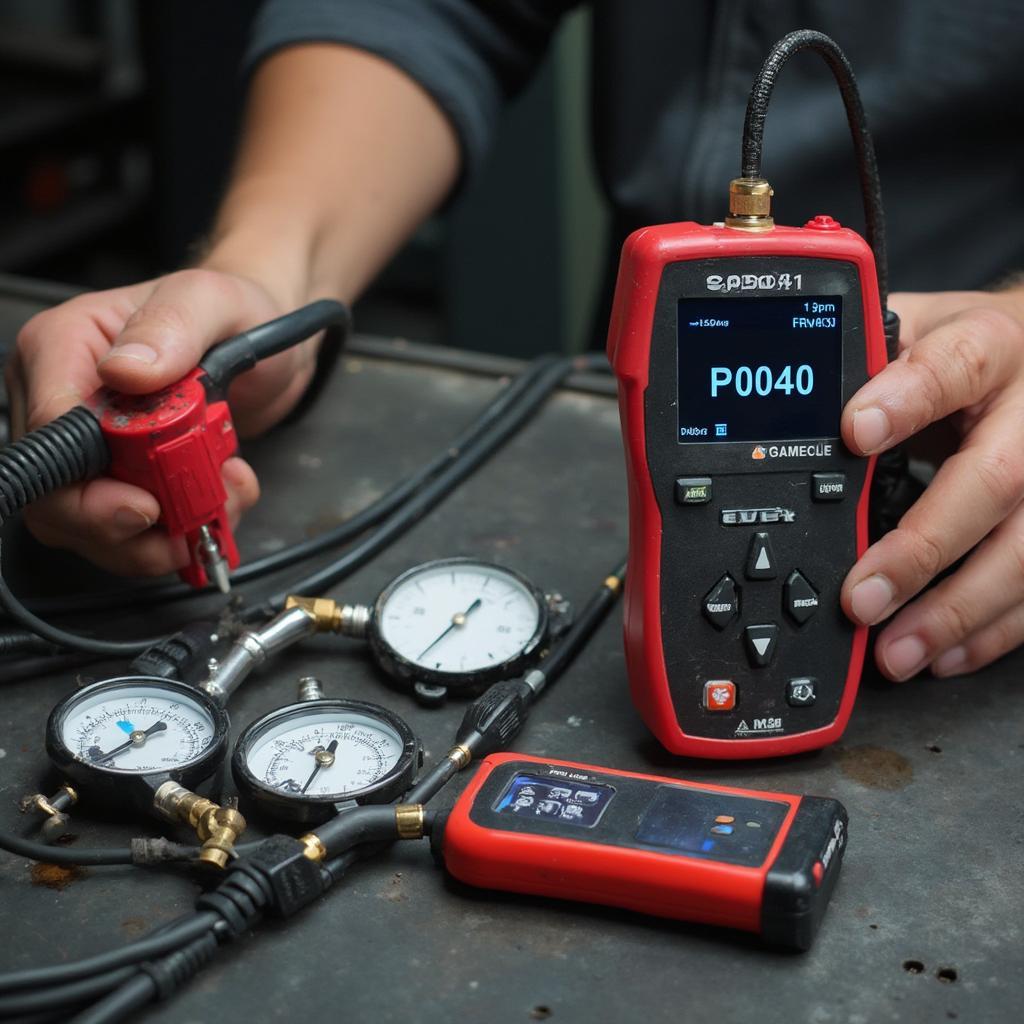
{"x":867,"y":163}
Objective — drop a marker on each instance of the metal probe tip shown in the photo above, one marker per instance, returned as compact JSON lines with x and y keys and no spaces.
{"x":215,"y":562}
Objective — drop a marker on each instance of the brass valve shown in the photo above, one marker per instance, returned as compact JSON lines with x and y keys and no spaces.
{"x":219,"y":828}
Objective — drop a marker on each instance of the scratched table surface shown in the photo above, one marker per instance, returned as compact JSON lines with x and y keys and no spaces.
{"x":925,"y":924}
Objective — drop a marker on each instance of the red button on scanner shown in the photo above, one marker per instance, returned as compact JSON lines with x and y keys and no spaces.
{"x":719,"y":695}
{"x":823,"y":222}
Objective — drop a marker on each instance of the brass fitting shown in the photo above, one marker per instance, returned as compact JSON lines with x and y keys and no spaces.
{"x":313,"y":848}
{"x":217,"y":827}
{"x":460,"y":756}
{"x":331,"y":617}
{"x":750,"y":205}
{"x":325,"y":612}
{"x":409,"y":821}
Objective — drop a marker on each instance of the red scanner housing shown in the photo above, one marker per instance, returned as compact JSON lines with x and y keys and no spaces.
{"x":679,"y":553}
{"x":756,"y":861}
{"x":173,"y":444}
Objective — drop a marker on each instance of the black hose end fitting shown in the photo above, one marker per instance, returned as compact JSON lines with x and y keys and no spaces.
{"x":64,"y":451}
{"x":492,"y":721}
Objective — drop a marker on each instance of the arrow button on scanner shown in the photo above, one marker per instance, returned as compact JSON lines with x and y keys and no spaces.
{"x":761,"y":642}
{"x":761,"y":558}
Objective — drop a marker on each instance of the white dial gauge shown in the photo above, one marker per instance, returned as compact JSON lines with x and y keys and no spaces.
{"x":459,"y":617}
{"x":137,"y":727}
{"x":323,"y":751}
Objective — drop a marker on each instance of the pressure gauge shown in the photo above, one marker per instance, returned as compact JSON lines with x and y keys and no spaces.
{"x":459,"y":624}
{"x":127,"y":736}
{"x":303,"y":761}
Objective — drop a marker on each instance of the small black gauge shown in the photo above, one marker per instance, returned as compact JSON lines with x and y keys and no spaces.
{"x":300,"y":762}
{"x":124,"y":737}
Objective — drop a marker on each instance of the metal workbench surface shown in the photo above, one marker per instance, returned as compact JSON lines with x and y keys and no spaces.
{"x":925,"y":923}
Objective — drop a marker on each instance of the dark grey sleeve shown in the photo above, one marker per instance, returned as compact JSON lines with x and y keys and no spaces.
{"x":469,"y":55}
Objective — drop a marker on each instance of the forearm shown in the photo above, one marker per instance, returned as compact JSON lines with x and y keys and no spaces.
{"x":342,"y":157}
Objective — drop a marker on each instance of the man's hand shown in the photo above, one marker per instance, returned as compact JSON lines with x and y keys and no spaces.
{"x":137,"y":340}
{"x":962,"y":356}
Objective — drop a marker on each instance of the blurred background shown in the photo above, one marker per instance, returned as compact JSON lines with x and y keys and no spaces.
{"x":118,"y":121}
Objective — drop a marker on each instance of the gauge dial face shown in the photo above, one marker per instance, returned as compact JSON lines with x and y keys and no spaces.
{"x":137,"y":728}
{"x":459,"y":617}
{"x":323,"y":752}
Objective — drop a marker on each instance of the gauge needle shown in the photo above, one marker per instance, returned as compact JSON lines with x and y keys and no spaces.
{"x":324,"y":759}
{"x":458,"y":620}
{"x":135,"y":739}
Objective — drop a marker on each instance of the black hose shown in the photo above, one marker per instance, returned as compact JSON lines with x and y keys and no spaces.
{"x":425,"y":500}
{"x":867,"y":164}
{"x":62,"y":855}
{"x":23,"y":642}
{"x":131,"y":996}
{"x":365,"y":824}
{"x":372,"y":514}
{"x":55,"y":997}
{"x":585,"y":623}
{"x":226,"y":360}
{"x":170,"y":936}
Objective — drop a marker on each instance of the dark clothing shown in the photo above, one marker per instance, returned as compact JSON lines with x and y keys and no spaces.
{"x":942,"y":82}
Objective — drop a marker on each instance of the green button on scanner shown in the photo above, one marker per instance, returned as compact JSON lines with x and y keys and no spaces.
{"x":693,"y":490}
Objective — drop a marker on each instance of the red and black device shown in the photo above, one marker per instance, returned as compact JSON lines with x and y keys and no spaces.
{"x":735,"y":352}
{"x":172,"y":443}
{"x":758,"y":862}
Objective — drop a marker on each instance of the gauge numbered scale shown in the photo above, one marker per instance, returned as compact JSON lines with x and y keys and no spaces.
{"x":459,"y":624}
{"x":121,"y":739}
{"x":304,"y":762}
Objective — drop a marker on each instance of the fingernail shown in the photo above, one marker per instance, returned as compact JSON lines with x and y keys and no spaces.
{"x":871,"y":429}
{"x":950,"y":663}
{"x":905,"y":656}
{"x":131,"y":521}
{"x":135,"y":350}
{"x":870,"y":598}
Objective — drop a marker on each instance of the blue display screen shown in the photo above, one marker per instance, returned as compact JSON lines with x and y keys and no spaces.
{"x":568,"y":803}
{"x":760,"y":369}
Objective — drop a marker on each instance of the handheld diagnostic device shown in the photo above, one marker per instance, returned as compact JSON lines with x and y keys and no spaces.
{"x":760,"y":862}
{"x":735,"y":351}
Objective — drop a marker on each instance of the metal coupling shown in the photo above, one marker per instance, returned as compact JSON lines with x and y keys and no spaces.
{"x":217,"y":827}
{"x":310,"y":688}
{"x":313,"y":848}
{"x":409,"y":821}
{"x":750,"y":205}
{"x":460,"y":756}
{"x":57,"y":822}
{"x":330,"y":617}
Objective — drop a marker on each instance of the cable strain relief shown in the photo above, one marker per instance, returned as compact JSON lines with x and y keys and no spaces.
{"x":172,"y":971}
{"x":239,"y":900}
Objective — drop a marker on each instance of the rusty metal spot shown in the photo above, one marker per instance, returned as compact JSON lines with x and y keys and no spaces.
{"x":876,"y":767}
{"x":56,"y":876}
{"x":135,"y":926}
